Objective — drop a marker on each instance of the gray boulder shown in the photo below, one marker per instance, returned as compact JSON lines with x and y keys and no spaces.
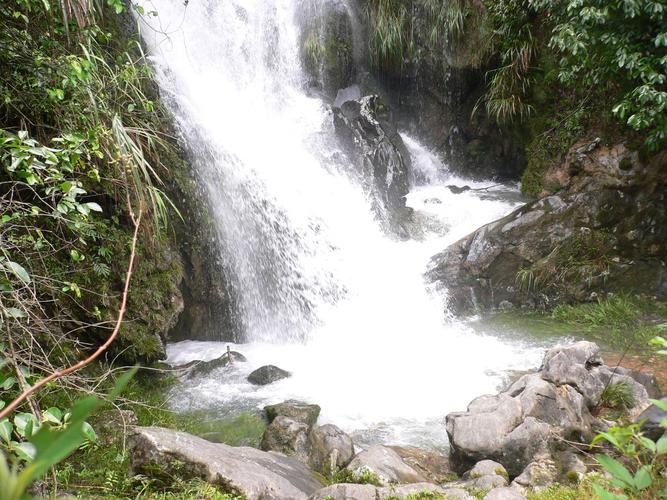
{"x":533,"y":256}
{"x":485,"y":475}
{"x":244,"y":471}
{"x":386,"y":464}
{"x":296,"y":410}
{"x":434,"y":466}
{"x":287,"y":436}
{"x":538,"y":475}
{"x":330,"y":449}
{"x":382,"y":160}
{"x":524,"y":423}
{"x":267,"y":375}
{"x":573,"y":365}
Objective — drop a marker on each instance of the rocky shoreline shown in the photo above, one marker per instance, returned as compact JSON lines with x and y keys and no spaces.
{"x":534,"y":433}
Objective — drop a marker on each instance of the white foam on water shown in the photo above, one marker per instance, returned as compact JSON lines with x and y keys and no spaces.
{"x":322,"y":291}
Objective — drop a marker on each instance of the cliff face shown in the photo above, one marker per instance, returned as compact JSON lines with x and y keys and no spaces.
{"x":602,"y":232}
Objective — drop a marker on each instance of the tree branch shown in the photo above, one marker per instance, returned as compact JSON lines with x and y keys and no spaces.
{"x":121,"y":313}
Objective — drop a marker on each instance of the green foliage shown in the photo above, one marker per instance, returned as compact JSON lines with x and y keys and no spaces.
{"x":618,"y":320}
{"x":618,"y":46}
{"x":638,"y":473}
{"x":618,"y":395}
{"x":622,"y":42}
{"x":362,"y":476}
{"x":391,"y":41}
{"x":49,"y":442}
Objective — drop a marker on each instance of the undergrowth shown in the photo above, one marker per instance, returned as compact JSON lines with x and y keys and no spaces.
{"x":620,"y":321}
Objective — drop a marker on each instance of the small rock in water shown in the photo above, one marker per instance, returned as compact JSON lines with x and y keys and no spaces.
{"x":433,"y":201}
{"x":197,"y":368}
{"x":458,"y":189}
{"x":267,"y":374}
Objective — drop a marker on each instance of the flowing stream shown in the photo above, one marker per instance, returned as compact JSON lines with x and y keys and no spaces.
{"x":322,"y":291}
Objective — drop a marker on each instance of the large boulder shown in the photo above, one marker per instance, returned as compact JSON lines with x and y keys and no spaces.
{"x":600,"y":237}
{"x":244,"y":471}
{"x":434,"y":466}
{"x":287,"y":436}
{"x":296,"y":410}
{"x":330,"y":449}
{"x":381,"y":158}
{"x":524,"y":423}
{"x":386,"y":464}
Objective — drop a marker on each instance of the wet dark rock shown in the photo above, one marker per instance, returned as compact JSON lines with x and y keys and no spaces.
{"x":245,"y":471}
{"x":296,"y":410}
{"x":202,"y":368}
{"x":651,"y":418}
{"x":381,"y":158}
{"x":386,"y":464}
{"x":327,"y":40}
{"x":524,"y":423}
{"x":458,"y":189}
{"x":267,"y":375}
{"x":560,"y":249}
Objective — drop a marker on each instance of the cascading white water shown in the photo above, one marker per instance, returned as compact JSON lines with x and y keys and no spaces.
{"x":322,"y":291}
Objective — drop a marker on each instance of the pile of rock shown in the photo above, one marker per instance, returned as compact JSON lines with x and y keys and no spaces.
{"x":504,"y":445}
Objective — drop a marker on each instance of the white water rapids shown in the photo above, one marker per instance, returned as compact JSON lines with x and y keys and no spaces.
{"x":322,"y":291}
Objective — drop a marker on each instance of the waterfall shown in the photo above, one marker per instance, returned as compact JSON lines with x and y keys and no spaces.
{"x":322,"y":290}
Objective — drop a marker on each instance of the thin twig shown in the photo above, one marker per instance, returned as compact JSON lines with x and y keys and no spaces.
{"x":121,"y":313}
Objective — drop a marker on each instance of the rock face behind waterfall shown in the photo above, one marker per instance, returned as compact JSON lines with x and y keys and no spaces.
{"x":526,"y":423}
{"x":377,"y":149}
{"x":607,"y":233}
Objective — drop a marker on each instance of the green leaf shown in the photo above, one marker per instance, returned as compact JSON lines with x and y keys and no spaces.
{"x":89,"y":432}
{"x":94,"y":206}
{"x":616,"y":469}
{"x":19,"y":271}
{"x":660,"y":404}
{"x":643,"y":477}
{"x":8,"y":383}
{"x":16,"y":313}
{"x":24,"y":450}
{"x":661,"y":446}
{"x":647,"y":443}
{"x":53,"y":415}
{"x":23,"y":423}
{"x":6,"y":429}
{"x":606,"y":495}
